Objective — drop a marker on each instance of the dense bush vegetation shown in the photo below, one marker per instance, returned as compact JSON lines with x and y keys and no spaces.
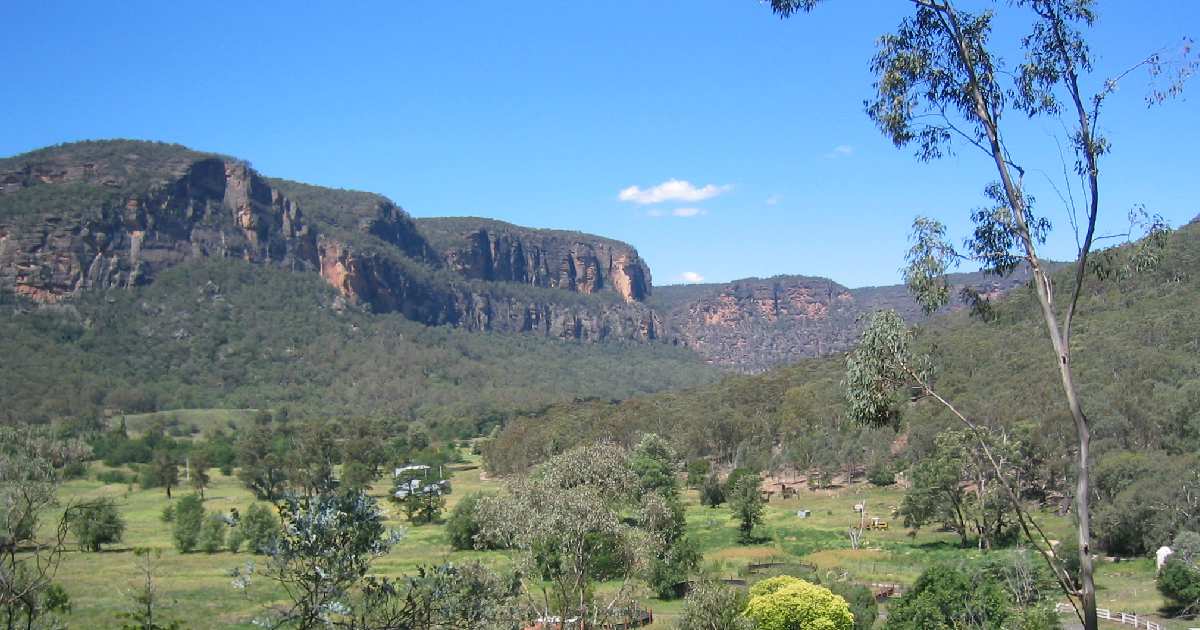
{"x":97,"y":523}
{"x":1136,"y":367}
{"x":224,"y":334}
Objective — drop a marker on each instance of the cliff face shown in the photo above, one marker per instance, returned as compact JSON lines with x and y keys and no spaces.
{"x":212,"y":208}
{"x":754,"y":324}
{"x":489,"y":250}
{"x":388,"y":284}
{"x":112,"y":215}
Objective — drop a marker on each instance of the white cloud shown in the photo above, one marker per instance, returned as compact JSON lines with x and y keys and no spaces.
{"x":841,"y":150}
{"x":774,"y":199}
{"x":691,"y":276}
{"x":688,"y":212}
{"x":672,"y":190}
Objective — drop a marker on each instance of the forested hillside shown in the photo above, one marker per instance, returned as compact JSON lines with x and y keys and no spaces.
{"x":1137,"y":356}
{"x":222,"y":333}
{"x":754,"y":324}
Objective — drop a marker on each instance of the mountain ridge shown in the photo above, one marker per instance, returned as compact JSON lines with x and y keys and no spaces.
{"x":115,"y":214}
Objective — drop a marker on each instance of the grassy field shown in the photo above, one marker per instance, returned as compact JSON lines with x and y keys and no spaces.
{"x":199,"y":592}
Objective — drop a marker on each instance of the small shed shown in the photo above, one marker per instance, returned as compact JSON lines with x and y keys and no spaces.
{"x":803,"y":513}
{"x":413,"y":468}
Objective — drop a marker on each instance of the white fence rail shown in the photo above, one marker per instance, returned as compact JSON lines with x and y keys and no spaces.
{"x":1125,"y":619}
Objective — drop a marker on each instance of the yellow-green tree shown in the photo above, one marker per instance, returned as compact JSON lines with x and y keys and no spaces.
{"x":788,"y":603}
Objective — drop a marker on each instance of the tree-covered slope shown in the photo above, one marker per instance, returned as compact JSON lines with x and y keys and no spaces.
{"x":1137,"y":354}
{"x":221,"y":333}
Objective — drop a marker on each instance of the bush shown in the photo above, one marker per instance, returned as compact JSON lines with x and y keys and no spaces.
{"x":697,"y":471}
{"x":168,"y":513}
{"x":786,"y":603}
{"x":947,"y":597}
{"x":734,"y":477}
{"x":747,"y":504}
{"x":260,"y":528}
{"x":1187,"y":547}
{"x":673,"y":568}
{"x":715,"y":606}
{"x":97,"y":523}
{"x":114,"y":477}
{"x":881,"y":475}
{"x":463,"y":526}
{"x":712,"y":493}
{"x":189,"y":519}
{"x":862,"y":603}
{"x":1180,"y":582}
{"x":234,"y":540}
{"x":212,"y":533}
{"x":1179,"y":579}
{"x":74,"y":470}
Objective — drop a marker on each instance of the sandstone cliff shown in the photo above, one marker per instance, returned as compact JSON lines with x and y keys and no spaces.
{"x":109,"y":215}
{"x":486,"y":249}
{"x":754,"y":324}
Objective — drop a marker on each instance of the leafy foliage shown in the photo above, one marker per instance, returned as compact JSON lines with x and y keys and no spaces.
{"x":260,"y":527}
{"x":97,"y":523}
{"x":787,"y":603}
{"x":93,"y":356}
{"x":747,"y":503}
{"x":714,"y":606}
{"x":188,"y":523}
{"x":565,"y":518}
{"x":324,"y":549}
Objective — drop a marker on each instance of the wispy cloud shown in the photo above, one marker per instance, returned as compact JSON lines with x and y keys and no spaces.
{"x":773,"y":199}
{"x":840,"y":151}
{"x":691,"y":276}
{"x":672,"y":190}
{"x":688,"y":213}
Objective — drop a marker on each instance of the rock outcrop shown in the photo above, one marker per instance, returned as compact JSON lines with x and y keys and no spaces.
{"x":485,"y":249}
{"x":754,"y":324}
{"x":213,"y":208}
{"x":111,"y":215}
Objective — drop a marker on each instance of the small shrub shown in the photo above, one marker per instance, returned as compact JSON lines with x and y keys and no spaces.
{"x":1180,"y":582}
{"x":862,"y":603}
{"x":881,"y":475}
{"x":97,"y":523}
{"x":116,"y":477}
{"x":697,"y":472}
{"x":260,"y":527}
{"x":189,"y":519}
{"x":74,"y":470}
{"x":713,"y":605}
{"x":168,"y":513}
{"x":784,"y":603}
{"x":212,"y":533}
{"x":234,"y":540}
{"x":463,"y":526}
{"x":712,"y":493}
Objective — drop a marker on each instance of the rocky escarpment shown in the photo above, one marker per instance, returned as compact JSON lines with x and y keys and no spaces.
{"x":109,"y":215}
{"x":754,"y":324}
{"x":490,"y":250}
{"x":388,"y":283}
{"x":213,"y":207}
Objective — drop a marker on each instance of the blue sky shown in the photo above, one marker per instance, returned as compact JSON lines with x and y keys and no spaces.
{"x":543,"y":113}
